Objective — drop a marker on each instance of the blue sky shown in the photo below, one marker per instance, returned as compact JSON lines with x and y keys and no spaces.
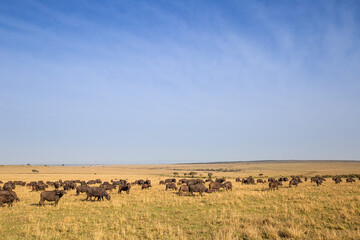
{"x":178,"y":81}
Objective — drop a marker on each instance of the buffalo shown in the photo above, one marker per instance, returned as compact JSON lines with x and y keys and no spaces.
{"x":108,"y":187}
{"x":91,"y":182}
{"x":271,"y":180}
{"x":170,"y":180}
{"x":350,"y":180}
{"x":194,"y":181}
{"x":8,"y":199}
{"x":220,"y":180}
{"x":274,"y":184}
{"x":139,"y":182}
{"x":294,"y":182}
{"x":9,"y":186}
{"x":214,"y":186}
{"x":227,"y":185}
{"x":120,"y":182}
{"x":69,"y":185}
{"x":337,"y":180}
{"x":82,"y":189}
{"x":249,"y":180}
{"x":183,"y":188}
{"x":200,"y":188}
{"x":171,"y":186}
{"x":146,"y":186}
{"x":318,"y":182}
{"x":51,"y":196}
{"x":97,"y":192}
{"x":125,"y":188}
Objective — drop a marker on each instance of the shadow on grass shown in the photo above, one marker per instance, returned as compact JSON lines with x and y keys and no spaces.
{"x":38,"y":205}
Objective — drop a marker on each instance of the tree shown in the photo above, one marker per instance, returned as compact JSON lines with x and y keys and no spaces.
{"x":210,"y":174}
{"x":192,"y":174}
{"x":175,"y":174}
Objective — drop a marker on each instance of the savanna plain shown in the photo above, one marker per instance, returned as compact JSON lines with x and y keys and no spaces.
{"x":328,"y":211}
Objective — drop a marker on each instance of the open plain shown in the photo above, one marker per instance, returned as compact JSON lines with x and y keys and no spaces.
{"x":329,"y":211}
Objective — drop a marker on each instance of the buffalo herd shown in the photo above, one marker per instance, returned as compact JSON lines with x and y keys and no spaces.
{"x":183,"y":186}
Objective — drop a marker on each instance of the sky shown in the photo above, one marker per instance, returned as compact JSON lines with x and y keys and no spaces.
{"x":154,"y":82}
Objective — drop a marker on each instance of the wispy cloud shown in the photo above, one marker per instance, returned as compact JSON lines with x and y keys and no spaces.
{"x":203,"y":80}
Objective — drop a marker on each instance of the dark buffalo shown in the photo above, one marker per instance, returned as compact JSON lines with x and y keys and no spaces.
{"x":162,"y":182}
{"x":337,"y":180}
{"x":91,"y":182}
{"x":237,"y":180}
{"x":170,"y":180}
{"x":248,"y":180}
{"x":82,"y":189}
{"x":108,"y":187}
{"x":183,"y":180}
{"x":51,"y":196}
{"x":283,"y":179}
{"x":20,"y":183}
{"x":350,"y":180}
{"x":315,"y":179}
{"x":120,"y":182}
{"x":274,"y":184}
{"x":318,"y":182}
{"x":220,"y":180}
{"x":8,"y":199}
{"x":125,"y":188}
{"x":69,"y":185}
{"x":39,"y":187}
{"x":214,"y":186}
{"x":97,"y":192}
{"x":9,"y":186}
{"x":200,"y":188}
{"x":139,"y":182}
{"x":227,"y":185}
{"x":194,"y":181}
{"x":183,"y":188}
{"x":13,"y":197}
{"x":146,"y":186}
{"x":271,"y":179}
{"x":171,"y":186}
{"x":294,"y":182}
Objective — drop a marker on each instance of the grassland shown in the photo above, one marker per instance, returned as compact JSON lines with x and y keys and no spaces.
{"x":248,"y":212}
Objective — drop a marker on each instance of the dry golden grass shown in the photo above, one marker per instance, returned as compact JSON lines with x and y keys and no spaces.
{"x":248,"y":212}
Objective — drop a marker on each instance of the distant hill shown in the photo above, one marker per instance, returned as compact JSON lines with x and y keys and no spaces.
{"x":273,"y":161}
